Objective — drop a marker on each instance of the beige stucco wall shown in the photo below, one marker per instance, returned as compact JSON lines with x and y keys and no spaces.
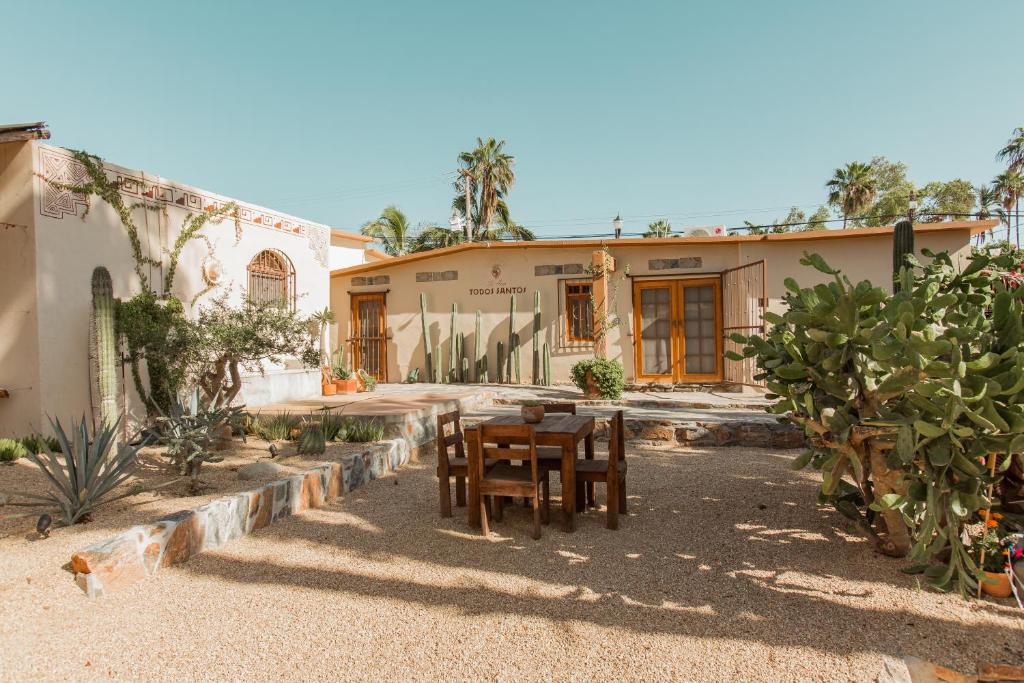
{"x":67,"y":248}
{"x":867,"y":257}
{"x":19,"y":349}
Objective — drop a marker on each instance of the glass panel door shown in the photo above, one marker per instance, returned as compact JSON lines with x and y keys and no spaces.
{"x":654,"y":316}
{"x":678,"y":331}
{"x":700,"y":331}
{"x":368,"y":335}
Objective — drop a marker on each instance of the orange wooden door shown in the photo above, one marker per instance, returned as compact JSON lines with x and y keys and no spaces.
{"x":678,"y":330}
{"x":369,"y":335}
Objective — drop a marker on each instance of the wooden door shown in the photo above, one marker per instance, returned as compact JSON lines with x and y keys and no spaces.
{"x":369,"y":334}
{"x":677,"y":330}
{"x":744,"y":299}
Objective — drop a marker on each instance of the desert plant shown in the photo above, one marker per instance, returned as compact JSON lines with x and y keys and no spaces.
{"x":331,"y":426}
{"x":104,"y":344}
{"x":276,"y":427}
{"x":369,"y":381}
{"x":37,"y":443}
{"x":311,"y":440}
{"x":536,"y":339}
{"x":84,"y":471}
{"x":902,"y":246}
{"x":11,"y":450}
{"x":607,"y":374}
{"x":903,"y":394}
{"x":427,"y":353}
{"x":189,"y":431}
{"x":363,"y":431}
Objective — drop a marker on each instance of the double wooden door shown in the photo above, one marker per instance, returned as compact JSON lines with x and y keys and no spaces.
{"x":369,"y":335}
{"x":678,"y":329}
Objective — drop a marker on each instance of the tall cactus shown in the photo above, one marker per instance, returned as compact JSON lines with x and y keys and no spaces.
{"x":536,"y":337}
{"x":453,"y":350}
{"x":501,"y":364}
{"x":513,"y":348}
{"x":902,"y":247}
{"x":547,"y":365}
{"x":427,"y":355}
{"x":104,"y":349}
{"x":463,"y":361}
{"x":437,"y":368}
{"x":477,"y":372}
{"x":514,"y":355}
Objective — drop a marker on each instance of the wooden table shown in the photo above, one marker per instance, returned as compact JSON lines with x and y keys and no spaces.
{"x":563,"y":431}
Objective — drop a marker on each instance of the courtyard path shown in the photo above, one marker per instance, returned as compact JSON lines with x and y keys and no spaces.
{"x":725,"y":569}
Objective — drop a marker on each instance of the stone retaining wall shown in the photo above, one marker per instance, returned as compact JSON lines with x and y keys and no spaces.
{"x":143,"y":550}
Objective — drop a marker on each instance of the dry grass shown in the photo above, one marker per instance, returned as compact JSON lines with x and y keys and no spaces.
{"x":724,"y":570}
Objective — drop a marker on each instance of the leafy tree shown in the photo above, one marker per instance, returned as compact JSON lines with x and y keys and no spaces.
{"x":438,"y":237}
{"x":660,"y":228}
{"x":392,"y":230}
{"x":224,"y":339}
{"x":952,"y":200}
{"x":852,"y":189}
{"x":817,"y":219}
{"x":1009,"y":185}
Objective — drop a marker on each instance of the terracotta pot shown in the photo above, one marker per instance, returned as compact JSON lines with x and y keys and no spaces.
{"x":996,"y":584}
{"x":222,"y":438}
{"x":592,"y":391}
{"x":347,"y":386}
{"x":328,"y":389}
{"x":532,"y":414}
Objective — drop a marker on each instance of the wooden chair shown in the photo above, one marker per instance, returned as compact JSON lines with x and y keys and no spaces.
{"x":610,"y":472}
{"x":505,"y":479}
{"x":447,"y":466}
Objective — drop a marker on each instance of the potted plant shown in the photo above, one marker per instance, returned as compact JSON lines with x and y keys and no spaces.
{"x":995,"y":581}
{"x":344,"y":382}
{"x":599,"y":378}
{"x":532,"y":412}
{"x":327,"y":387}
{"x":367,"y":382}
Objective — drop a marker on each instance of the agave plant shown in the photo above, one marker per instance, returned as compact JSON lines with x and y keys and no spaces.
{"x":363,"y":431}
{"x":85,"y":470}
{"x":276,"y":427}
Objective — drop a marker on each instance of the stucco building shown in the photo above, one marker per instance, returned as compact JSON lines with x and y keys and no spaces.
{"x":48,"y":252}
{"x":668,"y":304}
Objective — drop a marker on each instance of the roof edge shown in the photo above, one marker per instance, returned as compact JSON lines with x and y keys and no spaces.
{"x":975,"y":227}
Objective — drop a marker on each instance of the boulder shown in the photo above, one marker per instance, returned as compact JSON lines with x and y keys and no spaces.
{"x":259,"y":470}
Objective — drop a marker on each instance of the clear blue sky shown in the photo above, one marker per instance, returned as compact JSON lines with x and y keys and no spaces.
{"x":702,"y":112}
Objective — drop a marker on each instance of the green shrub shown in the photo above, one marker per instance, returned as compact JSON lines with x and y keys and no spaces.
{"x":369,"y":381}
{"x":311,"y":441}
{"x":11,"y":450}
{"x":275,"y":427}
{"x":37,"y":443}
{"x":608,"y":376}
{"x":363,"y":431}
{"x":332,"y":426}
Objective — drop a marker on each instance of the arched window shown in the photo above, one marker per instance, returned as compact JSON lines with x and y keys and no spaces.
{"x":272,"y":279}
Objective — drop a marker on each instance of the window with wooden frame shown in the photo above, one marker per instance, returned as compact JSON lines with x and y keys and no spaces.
{"x":579,"y":311}
{"x":272,"y":280}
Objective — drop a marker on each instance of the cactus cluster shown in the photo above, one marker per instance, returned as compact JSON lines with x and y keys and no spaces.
{"x":311,"y":440}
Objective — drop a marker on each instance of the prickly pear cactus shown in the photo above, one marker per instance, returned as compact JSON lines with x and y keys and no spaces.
{"x":902,"y":397}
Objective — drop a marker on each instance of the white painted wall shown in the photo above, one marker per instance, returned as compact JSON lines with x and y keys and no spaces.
{"x":346,"y":252}
{"x":67,"y":248}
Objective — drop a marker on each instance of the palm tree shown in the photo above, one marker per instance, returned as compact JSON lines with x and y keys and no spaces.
{"x":659,"y":229}
{"x":989,"y":205}
{"x":488,"y":170}
{"x":392,"y":230}
{"x":438,"y":237}
{"x":1009,"y":185}
{"x":1013,"y":152}
{"x":852,"y":189}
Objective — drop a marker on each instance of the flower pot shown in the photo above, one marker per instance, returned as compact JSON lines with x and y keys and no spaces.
{"x":592,"y":391}
{"x":996,"y":584}
{"x":346,"y":386}
{"x":222,"y":438}
{"x":328,"y":389}
{"x":532,"y":414}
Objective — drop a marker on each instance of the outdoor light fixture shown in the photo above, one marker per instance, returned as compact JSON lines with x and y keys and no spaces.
{"x":617,"y":223}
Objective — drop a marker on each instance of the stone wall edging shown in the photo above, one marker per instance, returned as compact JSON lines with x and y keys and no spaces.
{"x":143,"y":550}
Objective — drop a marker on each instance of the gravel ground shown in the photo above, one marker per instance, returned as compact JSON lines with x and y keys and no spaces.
{"x":724,"y":570}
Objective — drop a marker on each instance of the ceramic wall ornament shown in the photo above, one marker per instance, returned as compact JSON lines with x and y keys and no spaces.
{"x":213,"y":270}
